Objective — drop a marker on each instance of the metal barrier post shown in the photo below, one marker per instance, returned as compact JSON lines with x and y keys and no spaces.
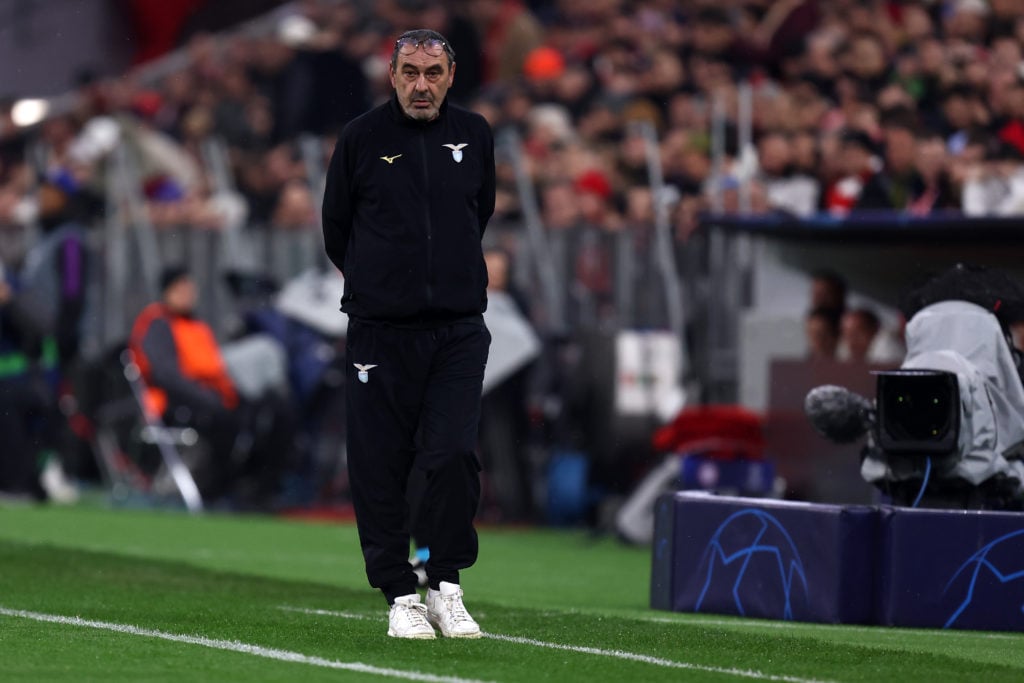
{"x":666,"y":260}
{"x":718,"y":117}
{"x":115,"y":257}
{"x":744,"y":126}
{"x":138,"y":217}
{"x":312,"y":157}
{"x":553,"y":296}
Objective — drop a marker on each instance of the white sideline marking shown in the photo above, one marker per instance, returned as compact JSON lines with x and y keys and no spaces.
{"x":235,"y":646}
{"x":648,"y":659}
{"x":617,"y":654}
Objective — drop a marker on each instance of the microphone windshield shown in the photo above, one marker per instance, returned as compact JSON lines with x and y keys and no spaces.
{"x":837,"y":413}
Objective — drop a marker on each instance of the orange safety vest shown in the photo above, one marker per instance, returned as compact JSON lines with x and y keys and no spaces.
{"x":199,"y":356}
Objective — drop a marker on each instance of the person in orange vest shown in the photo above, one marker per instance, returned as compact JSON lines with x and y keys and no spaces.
{"x":188,"y":384}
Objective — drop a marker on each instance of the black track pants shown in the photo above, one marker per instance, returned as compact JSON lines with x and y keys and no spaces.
{"x":419,"y":404}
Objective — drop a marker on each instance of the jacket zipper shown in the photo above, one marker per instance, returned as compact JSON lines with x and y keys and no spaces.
{"x":430,"y":229}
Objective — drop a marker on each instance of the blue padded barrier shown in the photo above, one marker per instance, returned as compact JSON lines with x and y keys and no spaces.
{"x":764,"y":558}
{"x":892,"y":566}
{"x":952,"y":569}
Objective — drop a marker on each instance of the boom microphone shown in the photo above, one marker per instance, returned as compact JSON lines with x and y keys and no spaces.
{"x":838,"y":414}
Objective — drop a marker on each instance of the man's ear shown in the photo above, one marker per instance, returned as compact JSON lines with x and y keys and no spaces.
{"x":451,"y":75}
{"x":391,"y":76}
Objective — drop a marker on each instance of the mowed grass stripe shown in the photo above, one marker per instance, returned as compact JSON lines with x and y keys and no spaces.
{"x":235,"y":646}
{"x":582,"y":649}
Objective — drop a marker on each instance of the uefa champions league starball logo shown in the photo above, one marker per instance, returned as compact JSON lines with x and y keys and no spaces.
{"x":753,"y":551}
{"x":999,"y":567}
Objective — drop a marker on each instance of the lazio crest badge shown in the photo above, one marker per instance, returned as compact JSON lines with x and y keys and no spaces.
{"x":364,"y":372}
{"x":457,"y":151}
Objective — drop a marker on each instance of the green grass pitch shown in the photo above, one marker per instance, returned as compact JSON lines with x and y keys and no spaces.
{"x":91,"y":594}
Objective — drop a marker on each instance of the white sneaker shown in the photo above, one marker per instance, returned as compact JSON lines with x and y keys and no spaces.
{"x":408,"y":618}
{"x":58,"y":487}
{"x":446,"y":611}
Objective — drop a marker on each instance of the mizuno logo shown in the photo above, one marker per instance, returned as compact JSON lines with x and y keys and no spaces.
{"x":364,"y":370}
{"x":456,"y":150}
{"x":390,"y":161}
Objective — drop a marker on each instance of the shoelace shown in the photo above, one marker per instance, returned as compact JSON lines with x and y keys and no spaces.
{"x":415,"y":614}
{"x":456,"y":610}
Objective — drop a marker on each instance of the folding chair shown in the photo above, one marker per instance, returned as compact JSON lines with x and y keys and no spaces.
{"x":166,"y":439}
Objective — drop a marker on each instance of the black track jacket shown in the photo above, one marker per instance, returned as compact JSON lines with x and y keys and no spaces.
{"x":405,"y":207}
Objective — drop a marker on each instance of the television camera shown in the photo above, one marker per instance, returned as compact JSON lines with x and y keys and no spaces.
{"x":945,"y":430}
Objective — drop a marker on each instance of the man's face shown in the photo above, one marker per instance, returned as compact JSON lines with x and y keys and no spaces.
{"x":775,"y":153}
{"x":181,"y":296}
{"x":857,"y":335}
{"x":825,"y":295}
{"x":855,"y":159}
{"x":421,"y":82}
{"x":900,"y":149}
{"x":821,"y":338}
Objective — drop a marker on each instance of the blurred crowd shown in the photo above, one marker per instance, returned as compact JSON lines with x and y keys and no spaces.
{"x":912,"y":106}
{"x":906,"y":105}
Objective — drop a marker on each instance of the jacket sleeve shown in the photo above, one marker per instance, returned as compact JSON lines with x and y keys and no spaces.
{"x":337,"y":207}
{"x":165,"y":371}
{"x":485,"y":199}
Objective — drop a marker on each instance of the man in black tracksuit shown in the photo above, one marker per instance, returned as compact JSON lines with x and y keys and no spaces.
{"x":409,"y":191}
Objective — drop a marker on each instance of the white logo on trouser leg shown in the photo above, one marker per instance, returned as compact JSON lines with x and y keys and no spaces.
{"x":364,"y":372}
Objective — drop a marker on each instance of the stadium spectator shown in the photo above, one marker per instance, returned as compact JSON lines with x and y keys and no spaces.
{"x":263,"y":183}
{"x":510,"y":33}
{"x":821,"y":328}
{"x":466,"y":39}
{"x":934,"y":189}
{"x":863,"y":339}
{"x":828,"y":290}
{"x":785,"y":188}
{"x":962,"y":111}
{"x":244,"y":420}
{"x":859,"y":186}
{"x":995,"y":187}
{"x":858,"y":329}
{"x":504,"y":421}
{"x":898,"y":182}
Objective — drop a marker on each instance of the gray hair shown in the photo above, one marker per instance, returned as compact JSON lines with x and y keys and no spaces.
{"x":419,"y":35}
